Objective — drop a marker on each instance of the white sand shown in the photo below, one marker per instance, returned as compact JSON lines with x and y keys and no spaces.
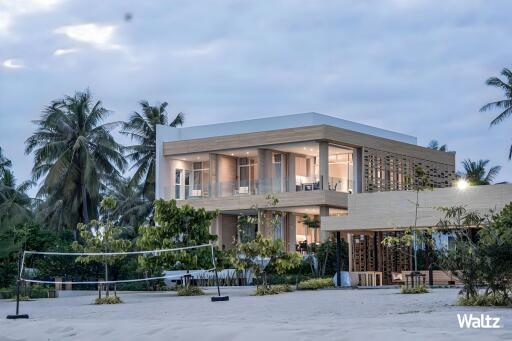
{"x":380,"y":314}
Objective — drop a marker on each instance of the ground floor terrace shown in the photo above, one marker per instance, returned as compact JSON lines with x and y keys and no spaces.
{"x":297,"y":226}
{"x":381,"y":314}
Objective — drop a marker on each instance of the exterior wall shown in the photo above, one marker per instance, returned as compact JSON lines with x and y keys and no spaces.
{"x":389,"y":210}
{"x":387,"y":171}
{"x":379,"y":164}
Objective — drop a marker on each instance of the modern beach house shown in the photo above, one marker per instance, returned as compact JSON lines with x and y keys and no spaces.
{"x":345,"y":177}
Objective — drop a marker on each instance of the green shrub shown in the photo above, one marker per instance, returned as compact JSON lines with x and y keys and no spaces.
{"x":420,"y":289}
{"x":108,"y":300}
{"x":486,"y":300}
{"x":190,"y":291}
{"x":22,"y":298}
{"x":272,"y":289}
{"x":316,"y":283}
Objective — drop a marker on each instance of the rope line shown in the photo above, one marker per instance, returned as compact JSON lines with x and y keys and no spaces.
{"x":119,"y":281}
{"x":112,"y":253}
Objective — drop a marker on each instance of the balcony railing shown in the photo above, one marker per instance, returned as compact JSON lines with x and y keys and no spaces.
{"x":255,"y":187}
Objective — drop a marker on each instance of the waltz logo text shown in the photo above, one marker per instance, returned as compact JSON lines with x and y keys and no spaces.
{"x":482,"y":321}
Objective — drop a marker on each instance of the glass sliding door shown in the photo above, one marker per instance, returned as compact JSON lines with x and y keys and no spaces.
{"x":246,"y":176}
{"x":278,"y":173}
{"x":200,"y":179}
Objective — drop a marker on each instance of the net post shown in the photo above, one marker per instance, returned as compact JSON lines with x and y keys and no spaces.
{"x":18,"y":283}
{"x":218,"y":298}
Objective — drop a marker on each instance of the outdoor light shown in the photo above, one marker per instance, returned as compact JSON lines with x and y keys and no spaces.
{"x":462,"y":184}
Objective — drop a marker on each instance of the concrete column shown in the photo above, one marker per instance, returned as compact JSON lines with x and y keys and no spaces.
{"x":324,"y":212}
{"x":216,"y":228}
{"x":291,"y":173}
{"x":349,"y":240}
{"x":214,"y":175}
{"x":292,"y":231}
{"x":324,"y":165}
{"x":357,"y":161}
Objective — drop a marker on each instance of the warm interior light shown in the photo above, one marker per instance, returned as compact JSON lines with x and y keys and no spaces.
{"x":462,"y":184}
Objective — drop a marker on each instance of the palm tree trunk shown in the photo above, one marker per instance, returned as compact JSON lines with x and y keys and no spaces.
{"x":85,"y":210}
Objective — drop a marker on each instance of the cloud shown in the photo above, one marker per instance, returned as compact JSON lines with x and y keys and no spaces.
{"x":99,"y":36}
{"x":61,"y":52}
{"x":10,"y":10}
{"x":13,"y":64}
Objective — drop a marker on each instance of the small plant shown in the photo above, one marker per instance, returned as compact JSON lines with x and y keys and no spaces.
{"x":108,"y":300}
{"x":486,"y":300}
{"x":272,"y":289}
{"x":22,"y":298}
{"x":315,"y":283}
{"x":190,"y":291}
{"x":420,"y":289}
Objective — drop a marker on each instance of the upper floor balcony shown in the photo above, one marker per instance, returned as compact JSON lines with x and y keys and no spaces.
{"x":299,"y":167}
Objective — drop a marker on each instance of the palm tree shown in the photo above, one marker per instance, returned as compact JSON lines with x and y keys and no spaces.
{"x":132,"y":209}
{"x":5,"y":163}
{"x":142,"y":129}
{"x":504,"y":105}
{"x":76,"y":155}
{"x":475,"y":172}
{"x":434,"y":144}
{"x":15,"y":204}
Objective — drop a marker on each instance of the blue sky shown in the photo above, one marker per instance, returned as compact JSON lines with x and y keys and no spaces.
{"x":417,"y":67}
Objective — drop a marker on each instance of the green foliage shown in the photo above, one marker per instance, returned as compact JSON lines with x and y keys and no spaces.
{"x":322,"y":257}
{"x":176,"y":227}
{"x":315,"y":283}
{"x":254,"y":255}
{"x":486,"y":300}
{"x":272,"y":289}
{"x":485,"y":262}
{"x":75,"y":155}
{"x":504,"y":106}
{"x":475,"y":172}
{"x":108,"y":300}
{"x":189,"y":291}
{"x":100,"y":237}
{"x":419,"y":289}
{"x":141,"y":127}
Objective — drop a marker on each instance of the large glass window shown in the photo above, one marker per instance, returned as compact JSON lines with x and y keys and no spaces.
{"x":177,"y":182}
{"x":246,"y":176}
{"x":200,"y":179}
{"x":341,"y":169}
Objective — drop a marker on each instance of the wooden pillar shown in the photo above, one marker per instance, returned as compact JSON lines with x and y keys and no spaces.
{"x":292,"y":231}
{"x":291,"y":173}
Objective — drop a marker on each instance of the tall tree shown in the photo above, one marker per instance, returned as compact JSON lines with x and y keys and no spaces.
{"x":5,"y":163}
{"x":476,"y":174}
{"x":434,"y":144}
{"x":132,"y":208}
{"x":504,"y":105}
{"x":76,"y":155}
{"x":141,"y":127}
{"x":15,"y":204}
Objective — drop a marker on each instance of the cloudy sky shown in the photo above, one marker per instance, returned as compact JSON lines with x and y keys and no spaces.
{"x":417,"y":67}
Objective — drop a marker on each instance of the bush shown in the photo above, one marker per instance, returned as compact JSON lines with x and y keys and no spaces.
{"x":190,"y":291}
{"x":108,"y":300}
{"x":316,"y":283}
{"x":486,"y":300}
{"x":420,"y":289}
{"x":272,"y":289}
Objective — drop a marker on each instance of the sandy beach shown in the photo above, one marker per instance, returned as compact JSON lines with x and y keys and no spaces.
{"x":381,"y":314}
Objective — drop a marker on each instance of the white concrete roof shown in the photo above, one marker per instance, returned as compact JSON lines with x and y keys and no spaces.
{"x":168,"y":134}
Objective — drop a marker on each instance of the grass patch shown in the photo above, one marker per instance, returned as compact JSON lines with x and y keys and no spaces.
{"x":272,"y":289}
{"x":420,"y":289}
{"x":108,"y":300}
{"x":190,"y":291}
{"x":486,"y":300}
{"x":316,"y":283}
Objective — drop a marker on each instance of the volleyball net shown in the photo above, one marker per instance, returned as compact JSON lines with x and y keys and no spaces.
{"x":93,"y":268}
